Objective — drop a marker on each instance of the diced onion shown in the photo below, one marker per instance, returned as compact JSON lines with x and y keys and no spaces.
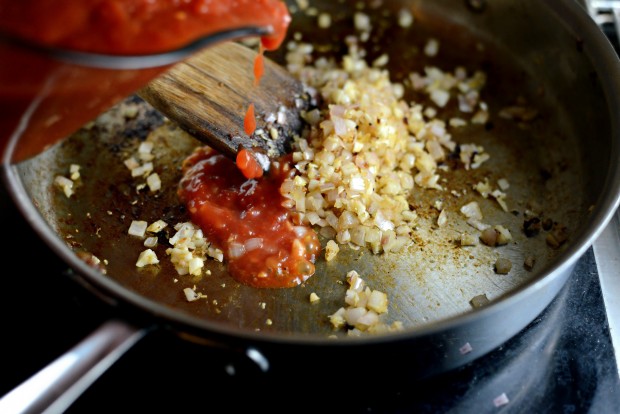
{"x":147,"y":257}
{"x":253,"y":243}
{"x":137,"y":228}
{"x":236,"y":250}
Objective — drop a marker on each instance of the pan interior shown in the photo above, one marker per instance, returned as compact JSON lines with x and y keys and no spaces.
{"x":544,"y":160}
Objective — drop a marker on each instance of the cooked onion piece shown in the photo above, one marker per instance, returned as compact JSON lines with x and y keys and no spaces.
{"x":364,"y":309}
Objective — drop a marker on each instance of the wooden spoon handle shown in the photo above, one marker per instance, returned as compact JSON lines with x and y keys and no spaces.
{"x":209,"y":94}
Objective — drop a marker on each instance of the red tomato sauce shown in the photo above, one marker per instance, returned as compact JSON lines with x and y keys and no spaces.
{"x":44,"y":100}
{"x":249,"y":121}
{"x":244,"y":218}
{"x":259,"y":66}
{"x":136,"y":26}
{"x":248,"y":165}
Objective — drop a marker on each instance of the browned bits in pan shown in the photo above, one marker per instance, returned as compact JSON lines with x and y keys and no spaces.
{"x":532,"y":226}
{"x":557,"y":236}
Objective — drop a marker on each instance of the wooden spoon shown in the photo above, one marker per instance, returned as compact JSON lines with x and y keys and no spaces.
{"x":209,"y":93}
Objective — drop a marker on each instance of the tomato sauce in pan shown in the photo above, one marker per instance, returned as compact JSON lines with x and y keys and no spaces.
{"x":44,"y":100}
{"x":248,"y":165}
{"x":245,"y":218}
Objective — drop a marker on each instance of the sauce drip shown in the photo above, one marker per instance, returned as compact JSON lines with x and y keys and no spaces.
{"x":245,"y":159}
{"x":248,"y":165}
{"x":259,"y":65}
{"x":247,"y":221}
{"x":249,"y":122}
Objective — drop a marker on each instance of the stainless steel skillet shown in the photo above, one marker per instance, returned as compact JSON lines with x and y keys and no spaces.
{"x":566,"y":160}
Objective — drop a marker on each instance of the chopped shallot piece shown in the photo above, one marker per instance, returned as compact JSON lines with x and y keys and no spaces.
{"x":157,"y":226}
{"x":154,"y":182}
{"x":74,"y":171}
{"x":190,"y":294}
{"x":65,"y":184}
{"x":472,"y":210}
{"x":147,"y":257}
{"x":405,"y":18}
{"x":432,"y":47}
{"x":377,"y":302}
{"x":503,"y":184}
{"x":479,"y":301}
{"x":253,"y":243}
{"x":137,"y":228}
{"x":367,"y":320}
{"x":503,"y":235}
{"x":337,"y":318}
{"x":131,"y":163}
{"x":352,"y":315}
{"x":503,"y":266}
{"x":466,"y":349}
{"x":362,"y":315}
{"x":468,"y":239}
{"x":501,"y":399}
{"x":331,"y":250}
{"x":442,"y":219}
{"x":355,"y":281}
{"x":489,"y":237}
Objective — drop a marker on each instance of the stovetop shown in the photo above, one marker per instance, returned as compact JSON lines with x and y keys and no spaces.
{"x":563,"y":362}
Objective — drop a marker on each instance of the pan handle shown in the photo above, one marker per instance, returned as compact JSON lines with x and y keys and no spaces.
{"x":59,"y":384}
